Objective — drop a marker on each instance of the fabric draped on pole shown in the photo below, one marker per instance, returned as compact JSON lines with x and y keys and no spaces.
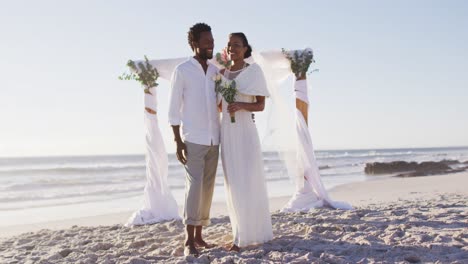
{"x":310,"y":191}
{"x":293,"y":142}
{"x":158,"y":202}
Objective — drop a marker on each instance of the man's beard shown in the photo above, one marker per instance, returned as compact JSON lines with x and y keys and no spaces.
{"x":205,"y":55}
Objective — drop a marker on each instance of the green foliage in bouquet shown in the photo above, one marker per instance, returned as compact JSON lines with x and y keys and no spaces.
{"x":144,"y":73}
{"x":300,"y":61}
{"x":228,"y":91}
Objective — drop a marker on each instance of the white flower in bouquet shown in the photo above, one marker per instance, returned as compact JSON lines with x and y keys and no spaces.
{"x":228,"y":91}
{"x":217,"y":78}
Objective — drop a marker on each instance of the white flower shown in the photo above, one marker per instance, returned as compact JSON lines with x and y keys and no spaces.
{"x":217,"y":77}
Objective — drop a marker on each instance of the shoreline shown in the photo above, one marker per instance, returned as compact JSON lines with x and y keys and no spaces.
{"x":378,"y":190}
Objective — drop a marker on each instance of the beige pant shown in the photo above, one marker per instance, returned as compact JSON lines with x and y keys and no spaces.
{"x":202,"y":162}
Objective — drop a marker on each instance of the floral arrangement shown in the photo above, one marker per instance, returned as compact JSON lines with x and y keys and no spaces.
{"x":300,"y":61}
{"x":223,"y":58}
{"x":142,"y":72}
{"x":228,"y":91}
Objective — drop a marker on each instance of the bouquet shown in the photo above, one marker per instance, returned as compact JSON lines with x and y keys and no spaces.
{"x":144,"y":73}
{"x":227,"y":90}
{"x":223,"y":58}
{"x":300,"y":61}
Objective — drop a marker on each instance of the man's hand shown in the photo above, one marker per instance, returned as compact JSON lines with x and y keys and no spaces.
{"x":181,"y":147}
{"x":182,"y":152}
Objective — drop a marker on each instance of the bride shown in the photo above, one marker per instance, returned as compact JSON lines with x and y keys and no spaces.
{"x":246,"y":192}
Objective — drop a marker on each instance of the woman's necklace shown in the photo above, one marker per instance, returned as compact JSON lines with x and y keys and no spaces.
{"x":233,"y":74}
{"x":243,"y":67}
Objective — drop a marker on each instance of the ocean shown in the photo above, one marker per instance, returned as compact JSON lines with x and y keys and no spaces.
{"x":40,"y":189}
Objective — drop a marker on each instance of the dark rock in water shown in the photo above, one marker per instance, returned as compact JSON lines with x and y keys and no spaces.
{"x":423,"y":168}
{"x":427,"y":173}
{"x":389,"y":167}
{"x":466,"y":162}
{"x":450,"y":162}
{"x":432,"y":166}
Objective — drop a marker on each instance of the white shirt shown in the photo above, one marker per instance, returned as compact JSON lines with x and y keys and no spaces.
{"x":193,"y":103}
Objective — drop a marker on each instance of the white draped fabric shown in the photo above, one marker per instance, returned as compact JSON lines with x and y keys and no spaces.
{"x":300,"y":88}
{"x":310,"y":191}
{"x":293,"y":141}
{"x":166,"y":67}
{"x":158,"y":203}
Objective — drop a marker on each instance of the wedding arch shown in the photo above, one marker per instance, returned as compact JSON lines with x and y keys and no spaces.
{"x":287,"y":129}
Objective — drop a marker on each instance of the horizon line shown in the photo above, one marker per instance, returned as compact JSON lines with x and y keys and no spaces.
{"x":317,"y":150}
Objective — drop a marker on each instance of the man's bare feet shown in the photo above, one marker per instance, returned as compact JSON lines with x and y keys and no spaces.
{"x":201,"y":243}
{"x":190,"y":250}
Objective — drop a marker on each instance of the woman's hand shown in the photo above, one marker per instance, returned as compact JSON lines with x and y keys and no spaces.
{"x":258,"y":106}
{"x":234,"y":107}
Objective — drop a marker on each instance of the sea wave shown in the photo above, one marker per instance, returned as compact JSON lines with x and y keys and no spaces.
{"x":39,"y":196}
{"x":68,"y":183}
{"x":69,"y":169}
{"x":346,"y":154}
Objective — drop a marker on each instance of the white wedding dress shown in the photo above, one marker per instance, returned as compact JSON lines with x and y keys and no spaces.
{"x":246,"y":192}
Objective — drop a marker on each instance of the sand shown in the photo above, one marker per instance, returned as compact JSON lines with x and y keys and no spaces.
{"x":421,"y":219}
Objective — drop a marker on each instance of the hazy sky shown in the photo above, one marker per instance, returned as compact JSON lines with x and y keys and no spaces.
{"x":392,"y":73}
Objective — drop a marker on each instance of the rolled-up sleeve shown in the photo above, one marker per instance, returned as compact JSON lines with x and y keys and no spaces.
{"x":175,"y":100}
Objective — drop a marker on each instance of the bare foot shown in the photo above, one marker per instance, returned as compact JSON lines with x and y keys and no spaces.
{"x":233,"y":247}
{"x":201,"y":243}
{"x":191,"y":250}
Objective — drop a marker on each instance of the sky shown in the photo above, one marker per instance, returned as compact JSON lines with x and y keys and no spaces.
{"x":392,"y":74}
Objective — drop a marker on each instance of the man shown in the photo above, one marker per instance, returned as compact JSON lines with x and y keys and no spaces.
{"x":193,"y":105}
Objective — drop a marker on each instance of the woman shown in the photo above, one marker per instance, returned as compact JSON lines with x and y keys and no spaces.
{"x":247,"y":197}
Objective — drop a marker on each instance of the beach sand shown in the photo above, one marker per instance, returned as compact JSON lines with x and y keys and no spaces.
{"x":420,"y":219}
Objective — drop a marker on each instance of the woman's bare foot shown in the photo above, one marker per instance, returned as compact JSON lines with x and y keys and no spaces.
{"x":233,"y":247}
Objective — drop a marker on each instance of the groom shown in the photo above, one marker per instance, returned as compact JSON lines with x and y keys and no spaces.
{"x":193,"y":105}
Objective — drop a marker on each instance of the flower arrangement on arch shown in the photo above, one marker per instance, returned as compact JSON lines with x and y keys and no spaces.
{"x":300,"y":61}
{"x":143,"y":72}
